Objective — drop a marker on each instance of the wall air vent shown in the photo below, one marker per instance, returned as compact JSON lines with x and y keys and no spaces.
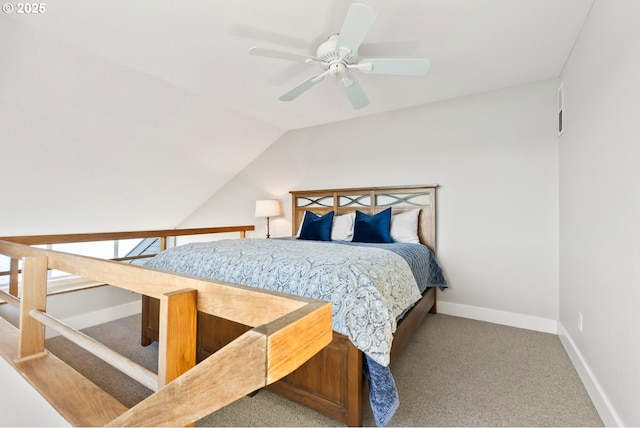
{"x":560,"y":109}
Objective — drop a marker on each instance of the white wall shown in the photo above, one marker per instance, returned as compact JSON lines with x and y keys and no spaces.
{"x":600,"y":207}
{"x":495,"y":156}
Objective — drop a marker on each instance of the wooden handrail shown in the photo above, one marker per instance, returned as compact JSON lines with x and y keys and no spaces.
{"x":287,"y":331}
{"x":111,"y":236}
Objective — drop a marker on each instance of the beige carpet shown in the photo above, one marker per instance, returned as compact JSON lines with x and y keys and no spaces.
{"x":455,"y":372}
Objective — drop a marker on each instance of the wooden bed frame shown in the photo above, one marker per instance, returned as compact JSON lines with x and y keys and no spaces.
{"x":331,"y":382}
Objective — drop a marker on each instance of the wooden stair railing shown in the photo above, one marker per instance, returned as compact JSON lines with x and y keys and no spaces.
{"x":162,"y":234}
{"x":287,"y":331}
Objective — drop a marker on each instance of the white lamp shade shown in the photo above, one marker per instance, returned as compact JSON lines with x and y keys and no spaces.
{"x":268,"y":208}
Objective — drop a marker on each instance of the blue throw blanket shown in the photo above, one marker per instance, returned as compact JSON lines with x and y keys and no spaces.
{"x":421,"y":260}
{"x":383,"y":395}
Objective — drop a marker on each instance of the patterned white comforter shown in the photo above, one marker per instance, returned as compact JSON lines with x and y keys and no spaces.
{"x":368,"y":287}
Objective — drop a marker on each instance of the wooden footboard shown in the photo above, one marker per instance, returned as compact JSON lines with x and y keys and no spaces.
{"x":331,"y":382}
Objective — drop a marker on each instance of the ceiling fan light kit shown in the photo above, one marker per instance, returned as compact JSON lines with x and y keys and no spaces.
{"x":338,"y":55}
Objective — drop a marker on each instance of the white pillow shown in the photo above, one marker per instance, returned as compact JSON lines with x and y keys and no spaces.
{"x":301,"y":223}
{"x":404,"y":227}
{"x":342,"y":227}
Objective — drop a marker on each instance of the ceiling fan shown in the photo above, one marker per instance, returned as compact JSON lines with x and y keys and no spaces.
{"x":338,"y":56}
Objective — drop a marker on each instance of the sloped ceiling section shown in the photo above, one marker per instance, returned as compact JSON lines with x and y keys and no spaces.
{"x":89,"y":144}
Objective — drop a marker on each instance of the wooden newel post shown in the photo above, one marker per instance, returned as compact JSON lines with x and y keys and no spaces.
{"x":34,"y":296}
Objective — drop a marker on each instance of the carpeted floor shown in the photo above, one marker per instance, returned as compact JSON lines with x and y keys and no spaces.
{"x":455,"y":372}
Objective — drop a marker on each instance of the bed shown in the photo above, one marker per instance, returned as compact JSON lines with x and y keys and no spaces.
{"x":367,"y":336}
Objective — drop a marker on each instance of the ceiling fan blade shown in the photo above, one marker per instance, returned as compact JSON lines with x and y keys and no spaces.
{"x":270,"y":53}
{"x":355,"y":27}
{"x":406,"y":66}
{"x":354,"y":92}
{"x":302,"y":87}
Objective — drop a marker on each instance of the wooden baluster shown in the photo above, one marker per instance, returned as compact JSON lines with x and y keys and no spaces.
{"x":13,"y":277}
{"x":177,"y":344}
{"x":34,"y":296}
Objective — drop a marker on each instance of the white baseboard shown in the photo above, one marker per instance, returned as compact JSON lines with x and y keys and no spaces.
{"x":98,"y":317}
{"x":598,"y":397}
{"x":512,"y":319}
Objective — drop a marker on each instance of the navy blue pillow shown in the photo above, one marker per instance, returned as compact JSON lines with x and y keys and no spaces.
{"x":316,"y":228}
{"x":374,"y":228}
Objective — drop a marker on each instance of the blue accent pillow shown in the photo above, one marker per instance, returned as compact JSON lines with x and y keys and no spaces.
{"x":373,"y":228}
{"x":315,"y":227}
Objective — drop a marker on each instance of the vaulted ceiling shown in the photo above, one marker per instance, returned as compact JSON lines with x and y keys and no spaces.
{"x":92,"y":90}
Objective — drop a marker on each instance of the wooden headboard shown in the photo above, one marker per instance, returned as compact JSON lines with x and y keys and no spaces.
{"x":371,"y":200}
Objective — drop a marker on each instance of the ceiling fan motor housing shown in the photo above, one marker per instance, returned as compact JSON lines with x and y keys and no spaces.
{"x":328,"y":52}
